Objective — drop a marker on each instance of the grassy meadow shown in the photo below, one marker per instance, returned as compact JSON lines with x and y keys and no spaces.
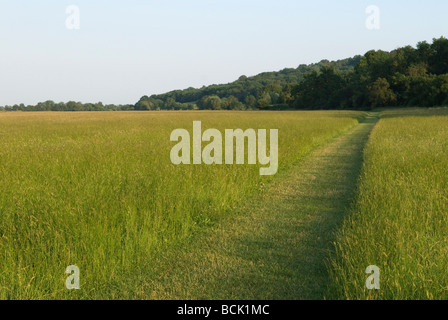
{"x":275,"y":246}
{"x":399,"y":221}
{"x":98,"y":190}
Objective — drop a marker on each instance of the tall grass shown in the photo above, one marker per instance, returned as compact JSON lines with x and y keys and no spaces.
{"x":98,"y":190}
{"x":400,"y":220}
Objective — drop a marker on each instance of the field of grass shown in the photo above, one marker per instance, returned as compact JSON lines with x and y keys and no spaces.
{"x":98,"y":190}
{"x":400,"y":220}
{"x":276,"y":245}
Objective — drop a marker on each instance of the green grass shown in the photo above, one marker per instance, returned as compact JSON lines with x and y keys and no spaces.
{"x":98,"y":190}
{"x":276,"y":245}
{"x":400,"y":219}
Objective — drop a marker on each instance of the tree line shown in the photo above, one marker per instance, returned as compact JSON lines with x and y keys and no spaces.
{"x":406,"y":76}
{"x":69,"y":106}
{"x":403,"y":77}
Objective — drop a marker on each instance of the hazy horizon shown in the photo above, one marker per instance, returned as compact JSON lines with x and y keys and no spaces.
{"x":124,"y":50}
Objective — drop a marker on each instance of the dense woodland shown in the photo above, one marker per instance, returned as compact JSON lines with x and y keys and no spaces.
{"x":406,"y":76}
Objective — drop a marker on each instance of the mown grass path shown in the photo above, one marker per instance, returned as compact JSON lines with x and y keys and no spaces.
{"x":276,"y":246}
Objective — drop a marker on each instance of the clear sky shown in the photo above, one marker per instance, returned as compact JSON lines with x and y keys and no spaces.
{"x":129,"y":48}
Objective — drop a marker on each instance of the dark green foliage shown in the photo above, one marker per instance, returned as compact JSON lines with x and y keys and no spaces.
{"x":403,"y":77}
{"x":380,"y":94}
{"x":264,"y":91}
{"x":322,"y":89}
{"x":406,"y":76}
{"x":71,"y":106}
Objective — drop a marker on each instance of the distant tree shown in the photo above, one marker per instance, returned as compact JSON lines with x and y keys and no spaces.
{"x":286,"y":94}
{"x":170,"y":104}
{"x":418,"y":69}
{"x":319,"y":90}
{"x":439,"y":56}
{"x":374,"y":65}
{"x":232,"y":103}
{"x":380,"y":94}
{"x":144,"y":105}
{"x":275,"y":97}
{"x":73,"y":106}
{"x":251,"y":102}
{"x":264,"y":100}
{"x":210,"y":103}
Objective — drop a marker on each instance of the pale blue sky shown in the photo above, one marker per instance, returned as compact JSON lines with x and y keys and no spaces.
{"x":126,"y":49}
